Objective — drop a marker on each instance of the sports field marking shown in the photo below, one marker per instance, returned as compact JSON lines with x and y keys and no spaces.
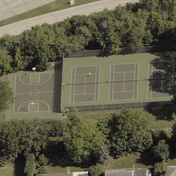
{"x":155,"y":93}
{"x":83,"y":84}
{"x":14,"y":95}
{"x":34,"y":79}
{"x":33,"y":106}
{"x":29,"y":75}
{"x":27,"y":91}
{"x":121,"y":75}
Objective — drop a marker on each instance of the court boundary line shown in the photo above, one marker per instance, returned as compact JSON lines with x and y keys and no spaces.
{"x":151,"y":95}
{"x":109,"y":97}
{"x":148,"y":84}
{"x":14,"y":95}
{"x":134,"y":75}
{"x":137,"y":86}
{"x":111,"y":92}
{"x":98,"y":96}
{"x":74,"y":83}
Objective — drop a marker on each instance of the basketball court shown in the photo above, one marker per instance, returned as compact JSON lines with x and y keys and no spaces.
{"x":33,"y":92}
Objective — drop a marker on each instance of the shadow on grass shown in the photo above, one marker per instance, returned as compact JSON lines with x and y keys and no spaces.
{"x":19,"y":166}
{"x":57,"y":87}
{"x":146,"y":158}
{"x":162,"y":110}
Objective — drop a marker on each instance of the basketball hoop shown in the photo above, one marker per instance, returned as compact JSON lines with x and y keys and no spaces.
{"x":34,"y":69}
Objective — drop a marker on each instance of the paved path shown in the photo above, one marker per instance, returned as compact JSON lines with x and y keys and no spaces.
{"x":50,"y":18}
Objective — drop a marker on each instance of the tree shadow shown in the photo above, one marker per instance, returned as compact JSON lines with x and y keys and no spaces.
{"x":146,"y":158}
{"x":57,"y":87}
{"x":162,"y":110}
{"x":19,"y":166}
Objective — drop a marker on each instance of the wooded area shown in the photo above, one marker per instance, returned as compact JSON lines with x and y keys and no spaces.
{"x":133,"y":26}
{"x":86,"y":143}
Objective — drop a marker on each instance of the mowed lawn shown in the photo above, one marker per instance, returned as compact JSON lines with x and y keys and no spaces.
{"x":51,"y":7}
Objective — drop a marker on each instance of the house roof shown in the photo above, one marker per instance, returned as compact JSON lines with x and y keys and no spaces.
{"x":141,"y":172}
{"x":56,"y":174}
{"x":127,"y":172}
{"x":171,"y":171}
{"x":81,"y":173}
{"x":119,"y":172}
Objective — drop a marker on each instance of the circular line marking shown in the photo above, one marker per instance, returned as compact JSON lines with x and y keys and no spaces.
{"x":34,"y":92}
{"x":29,"y":102}
{"x":29,"y":84}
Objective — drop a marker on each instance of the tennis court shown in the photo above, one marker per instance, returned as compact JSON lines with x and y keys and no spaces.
{"x":123,"y":81}
{"x":33,"y":92}
{"x":85,"y":84}
{"x":156,"y":83}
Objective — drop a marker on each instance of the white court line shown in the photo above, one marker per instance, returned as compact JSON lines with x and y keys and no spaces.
{"x":137,"y":64}
{"x":29,"y":84}
{"x":110,"y":92}
{"x":36,"y":89}
{"x":134,"y":74}
{"x":14,"y":94}
{"x":74,"y":86}
{"x":85,"y":74}
{"x":84,"y":94}
{"x":125,"y":71}
{"x":98,"y":84}
{"x":123,"y":81}
{"x":71,"y":96}
{"x":123,"y":91}
{"x":95,"y":86}
{"x":85,"y":84}
{"x":113,"y":83}
{"x":148,"y":81}
{"x":39,"y":78}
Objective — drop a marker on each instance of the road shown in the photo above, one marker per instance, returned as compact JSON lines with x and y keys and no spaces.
{"x":50,"y":18}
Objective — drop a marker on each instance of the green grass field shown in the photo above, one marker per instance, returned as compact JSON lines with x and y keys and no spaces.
{"x":51,"y":7}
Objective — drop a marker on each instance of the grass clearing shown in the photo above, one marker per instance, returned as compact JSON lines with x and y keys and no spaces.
{"x":7,"y":170}
{"x":58,"y":169}
{"x":153,"y":123}
{"x":51,"y":7}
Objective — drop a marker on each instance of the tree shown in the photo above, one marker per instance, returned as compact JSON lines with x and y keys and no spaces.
{"x":6,"y":95}
{"x":36,"y":47}
{"x":95,"y":170}
{"x":30,"y":165}
{"x":5,"y":62}
{"x":161,"y":151}
{"x":128,"y":132}
{"x":82,"y":140}
{"x":159,"y":169}
{"x":23,"y":137}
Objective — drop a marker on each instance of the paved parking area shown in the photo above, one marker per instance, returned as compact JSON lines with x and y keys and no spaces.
{"x":9,"y":8}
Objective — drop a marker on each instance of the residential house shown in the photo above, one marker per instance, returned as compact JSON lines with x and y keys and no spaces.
{"x":128,"y":172}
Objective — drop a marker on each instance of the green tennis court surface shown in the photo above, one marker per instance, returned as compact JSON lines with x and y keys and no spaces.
{"x":94,"y":83}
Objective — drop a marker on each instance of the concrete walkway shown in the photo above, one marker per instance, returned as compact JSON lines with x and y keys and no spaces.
{"x":50,"y":18}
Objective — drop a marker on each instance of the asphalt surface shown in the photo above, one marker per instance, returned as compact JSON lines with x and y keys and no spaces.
{"x":50,"y":18}
{"x":9,"y":8}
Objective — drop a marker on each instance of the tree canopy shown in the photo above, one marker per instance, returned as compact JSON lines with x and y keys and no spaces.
{"x":6,"y":95}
